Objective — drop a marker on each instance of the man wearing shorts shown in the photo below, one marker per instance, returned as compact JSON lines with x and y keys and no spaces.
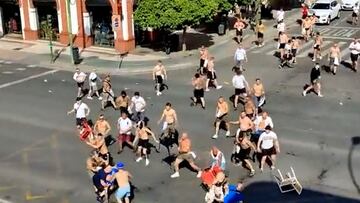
{"x":334,"y":58}
{"x":93,"y":78}
{"x":222,"y":110}
{"x":169,"y":114}
{"x":315,"y":76}
{"x":204,"y":55}
{"x":243,"y":149}
{"x":102,"y":125}
{"x":241,"y":86}
{"x":122,"y":178}
{"x":81,"y":111}
{"x":123,"y":102}
{"x":354,"y":53}
{"x":185,"y":154}
{"x":159,"y":75}
{"x":211,"y":75}
{"x":198,"y":84}
{"x":245,"y":124}
{"x":79,"y":78}
{"x":306,"y":28}
{"x":240,"y":57}
{"x":317,"y":47}
{"x":239,"y":26}
{"x":143,"y":146}
{"x":260,"y":29}
{"x":294,"y":47}
{"x":268,"y":147}
{"x":124,"y":126}
{"x":283,"y":39}
{"x":355,"y":14}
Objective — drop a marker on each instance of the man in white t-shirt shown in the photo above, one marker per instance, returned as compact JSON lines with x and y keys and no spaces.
{"x":139,"y":104}
{"x":241,"y":86}
{"x":355,"y":14}
{"x":81,"y":111}
{"x":93,"y":78}
{"x":268,"y":147}
{"x":124,"y":125}
{"x":79,"y":78}
{"x":354,"y":53}
{"x":280,"y":15}
{"x":240,"y":57}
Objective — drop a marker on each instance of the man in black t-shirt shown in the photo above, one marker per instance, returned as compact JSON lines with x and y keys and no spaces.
{"x":314,"y":81}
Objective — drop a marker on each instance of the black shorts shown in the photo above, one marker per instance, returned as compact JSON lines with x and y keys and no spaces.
{"x":354,"y":57}
{"x":268,"y":152}
{"x":240,"y":91}
{"x":80,"y":84}
{"x":239,"y":32}
{"x":79,"y":121}
{"x":159,"y":79}
{"x":307,"y":29}
{"x":198,"y":93}
{"x":293,"y":52}
{"x":105,"y":157}
{"x":143,"y":143}
{"x":202,"y":62}
{"x":244,"y":154}
{"x":354,"y":14}
{"x":317,"y":47}
{"x":123,"y":109}
{"x":260,"y":35}
{"x":210,"y":75}
{"x":282,"y":46}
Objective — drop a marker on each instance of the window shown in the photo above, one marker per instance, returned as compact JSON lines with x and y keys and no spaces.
{"x":322,"y":6}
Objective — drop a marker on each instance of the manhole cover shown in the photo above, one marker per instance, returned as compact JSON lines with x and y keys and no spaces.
{"x":17,"y":49}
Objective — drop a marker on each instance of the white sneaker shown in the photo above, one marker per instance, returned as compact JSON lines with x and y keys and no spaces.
{"x":320,"y":57}
{"x":199,"y":174}
{"x":89,"y":97}
{"x":139,"y":159}
{"x":219,"y":87}
{"x":100,"y":98}
{"x":147,"y":162}
{"x":158,"y":93}
{"x":314,"y":60}
{"x":215,"y":136}
{"x":175,"y":175}
{"x":304,"y":93}
{"x":227,"y":133}
{"x":320,"y":95}
{"x":207,"y":90}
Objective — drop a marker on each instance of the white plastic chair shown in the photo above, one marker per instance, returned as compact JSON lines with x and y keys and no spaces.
{"x":289,"y":183}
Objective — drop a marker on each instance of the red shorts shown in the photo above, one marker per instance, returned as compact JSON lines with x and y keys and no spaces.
{"x":124,"y":138}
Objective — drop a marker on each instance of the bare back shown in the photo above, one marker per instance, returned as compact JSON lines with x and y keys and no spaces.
{"x":122,"y":178}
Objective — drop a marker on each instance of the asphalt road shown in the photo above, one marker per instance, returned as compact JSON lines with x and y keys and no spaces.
{"x":42,"y":160}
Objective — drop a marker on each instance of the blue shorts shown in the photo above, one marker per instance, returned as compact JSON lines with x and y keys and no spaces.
{"x":122,"y":192}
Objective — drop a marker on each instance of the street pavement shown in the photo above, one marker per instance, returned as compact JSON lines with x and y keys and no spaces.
{"x":43,"y":160}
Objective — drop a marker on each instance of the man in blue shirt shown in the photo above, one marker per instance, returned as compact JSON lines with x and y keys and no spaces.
{"x":233,"y":194}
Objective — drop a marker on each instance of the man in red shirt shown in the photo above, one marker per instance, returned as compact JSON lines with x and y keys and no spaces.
{"x":304,"y":10}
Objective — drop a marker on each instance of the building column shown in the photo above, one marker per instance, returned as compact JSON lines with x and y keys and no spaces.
{"x":29,"y":20}
{"x":123,"y":25}
{"x":83,"y":35}
{"x":62,"y":22}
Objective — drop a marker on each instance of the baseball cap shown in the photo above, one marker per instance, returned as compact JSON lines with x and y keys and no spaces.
{"x":120,"y":165}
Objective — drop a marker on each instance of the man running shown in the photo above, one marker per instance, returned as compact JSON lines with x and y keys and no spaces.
{"x":240,"y":57}
{"x":241,"y":86}
{"x":258,"y":91}
{"x":102,"y":125}
{"x":79,"y":78}
{"x":294,"y":48}
{"x":198,"y":84}
{"x":283,"y":39}
{"x":171,"y":120}
{"x":124,"y":126}
{"x":314,"y":81}
{"x":334,"y":58}
{"x":211,"y":75}
{"x":204,"y":55}
{"x":81,"y":111}
{"x":260,"y":29}
{"x":354,"y":53}
{"x":143,"y":146}
{"x":123,"y":102}
{"x":243,"y":154}
{"x":93,"y":89}
{"x":185,"y":154}
{"x":239,"y":26}
{"x":159,"y":75}
{"x":268,"y":147}
{"x":108,"y":93}
{"x":139,"y":104}
{"x":222,"y":110}
{"x":122,"y":178}
{"x":317,"y":47}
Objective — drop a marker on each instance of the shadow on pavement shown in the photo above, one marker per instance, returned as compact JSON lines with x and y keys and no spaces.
{"x":354,"y":141}
{"x":269,"y":192}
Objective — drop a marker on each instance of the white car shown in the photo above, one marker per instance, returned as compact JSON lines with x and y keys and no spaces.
{"x":349,"y":4}
{"x":325,"y":10}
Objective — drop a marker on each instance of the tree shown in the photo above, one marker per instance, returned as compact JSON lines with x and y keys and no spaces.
{"x":174,"y":14}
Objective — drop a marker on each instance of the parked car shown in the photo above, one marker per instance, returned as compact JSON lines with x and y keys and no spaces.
{"x":349,"y":4}
{"x":325,"y":10}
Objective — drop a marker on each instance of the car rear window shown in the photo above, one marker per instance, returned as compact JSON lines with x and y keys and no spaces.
{"x":321,"y":6}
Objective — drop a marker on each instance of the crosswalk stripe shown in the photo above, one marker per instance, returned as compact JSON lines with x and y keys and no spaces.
{"x":304,"y":49}
{"x":305,"y":53}
{"x":268,"y":46}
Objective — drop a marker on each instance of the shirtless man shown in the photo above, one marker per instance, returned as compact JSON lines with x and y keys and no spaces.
{"x":313,"y":20}
{"x":222,"y":110}
{"x":198,"y":84}
{"x":245,"y":124}
{"x":123,"y":102}
{"x":334,"y":58}
{"x":294,"y":47}
{"x":159,"y":75}
{"x":102,"y":126}
{"x":99,"y":145}
{"x":249,"y":107}
{"x":283,"y":39}
{"x":107,"y":92}
{"x":142,"y":135}
{"x":317,"y":45}
{"x":211,"y":75}
{"x":122,"y":178}
{"x":306,"y":26}
{"x":204,"y":54}
{"x":171,"y":120}
{"x":243,"y":148}
{"x":239,"y":26}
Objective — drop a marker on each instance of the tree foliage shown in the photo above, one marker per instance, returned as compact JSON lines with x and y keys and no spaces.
{"x":177,"y":13}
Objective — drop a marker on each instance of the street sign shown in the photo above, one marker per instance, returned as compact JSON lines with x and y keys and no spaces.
{"x":116,"y":22}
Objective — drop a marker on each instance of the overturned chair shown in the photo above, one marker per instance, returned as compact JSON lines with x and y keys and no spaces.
{"x":289,"y":183}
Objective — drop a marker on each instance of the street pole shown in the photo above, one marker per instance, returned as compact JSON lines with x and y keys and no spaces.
{"x":49,"y":22}
{"x":68,"y":19}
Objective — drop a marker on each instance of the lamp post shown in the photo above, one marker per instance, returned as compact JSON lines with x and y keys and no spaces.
{"x":68,"y":19}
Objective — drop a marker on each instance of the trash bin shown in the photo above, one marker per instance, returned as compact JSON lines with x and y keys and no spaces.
{"x":221,"y":29}
{"x":76,"y":55}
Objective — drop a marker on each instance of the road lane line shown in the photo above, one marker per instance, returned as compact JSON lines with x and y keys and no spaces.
{"x":339,"y":38}
{"x":342,"y":20}
{"x":349,"y":28}
{"x":27,"y":78}
{"x":4,"y":201}
{"x":310,"y":50}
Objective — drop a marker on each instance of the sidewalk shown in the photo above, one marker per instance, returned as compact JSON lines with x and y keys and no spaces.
{"x":108,"y":60}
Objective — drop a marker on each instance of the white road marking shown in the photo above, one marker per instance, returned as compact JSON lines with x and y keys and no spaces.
{"x":268,"y":46}
{"x":305,"y":53}
{"x":339,"y":38}
{"x":4,"y":201}
{"x":8,"y":62}
{"x":31,"y":66}
{"x":1,"y":61}
{"x":21,"y":69}
{"x":27,"y":78}
{"x":339,"y":27}
{"x":7,"y":72}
